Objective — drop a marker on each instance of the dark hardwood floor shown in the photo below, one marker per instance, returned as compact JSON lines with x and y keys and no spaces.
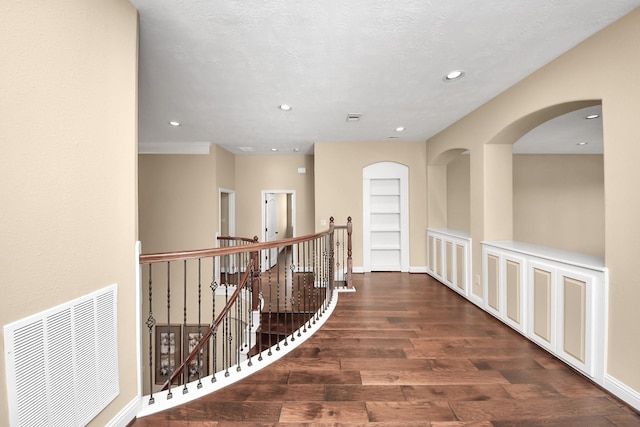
{"x":404,"y":350}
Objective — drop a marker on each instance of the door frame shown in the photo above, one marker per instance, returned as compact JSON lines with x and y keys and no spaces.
{"x":263,"y":209}
{"x":231,"y":214}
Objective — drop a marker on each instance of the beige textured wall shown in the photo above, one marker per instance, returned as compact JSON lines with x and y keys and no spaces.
{"x":68,"y":165}
{"x":559,"y":201}
{"x":338,"y":169}
{"x":458,"y":193}
{"x":255,"y":173}
{"x":225,"y":168}
{"x":584,"y":73}
{"x":178,"y":201}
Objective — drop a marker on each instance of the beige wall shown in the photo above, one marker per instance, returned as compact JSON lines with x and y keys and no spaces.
{"x":178,"y":201}
{"x":225,"y":168}
{"x":68,"y":165}
{"x":458,"y":193}
{"x":255,"y":173}
{"x":338,"y":189}
{"x":584,"y":73}
{"x":559,"y":201}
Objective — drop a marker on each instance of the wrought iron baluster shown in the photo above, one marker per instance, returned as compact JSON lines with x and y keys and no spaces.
{"x":277,"y":303}
{"x":227,"y":336}
{"x":200,"y":362}
{"x":170,"y":369}
{"x":151,"y":321}
{"x":184,"y":343}
{"x":214,"y":286}
{"x":269,"y":272}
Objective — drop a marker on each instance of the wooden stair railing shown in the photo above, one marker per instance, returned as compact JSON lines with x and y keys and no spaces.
{"x":209,"y":333}
{"x":271,"y":302}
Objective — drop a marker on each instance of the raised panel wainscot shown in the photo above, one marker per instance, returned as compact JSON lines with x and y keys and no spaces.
{"x":556,"y":298}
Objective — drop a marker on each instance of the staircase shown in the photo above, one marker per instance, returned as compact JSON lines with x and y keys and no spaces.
{"x":274,"y":327}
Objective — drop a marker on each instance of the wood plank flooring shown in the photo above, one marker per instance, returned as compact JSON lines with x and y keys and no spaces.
{"x":404,"y":350}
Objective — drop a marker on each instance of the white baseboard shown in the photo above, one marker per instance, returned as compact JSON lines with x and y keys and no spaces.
{"x":421,"y":269}
{"x":622,"y":391}
{"x":127,"y":414}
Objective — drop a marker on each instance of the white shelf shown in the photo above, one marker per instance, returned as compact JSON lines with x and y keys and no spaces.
{"x":551,"y":254}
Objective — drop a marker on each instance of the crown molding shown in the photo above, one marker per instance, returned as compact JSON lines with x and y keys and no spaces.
{"x":174,"y":148}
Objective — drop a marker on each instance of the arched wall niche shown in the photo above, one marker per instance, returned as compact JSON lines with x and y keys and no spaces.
{"x":448,"y":190}
{"x":514,"y":131}
{"x":544,"y":199}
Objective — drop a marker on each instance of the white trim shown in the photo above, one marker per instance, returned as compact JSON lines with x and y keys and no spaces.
{"x":126,"y":414}
{"x":138,"y":251}
{"x":420,"y":269}
{"x":162,"y":403}
{"x":622,"y":391}
{"x":174,"y":148}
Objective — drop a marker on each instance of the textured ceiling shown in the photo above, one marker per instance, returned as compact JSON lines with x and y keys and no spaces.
{"x":222,"y":68}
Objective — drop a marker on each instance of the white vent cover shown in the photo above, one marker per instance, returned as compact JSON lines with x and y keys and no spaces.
{"x":62,"y":363}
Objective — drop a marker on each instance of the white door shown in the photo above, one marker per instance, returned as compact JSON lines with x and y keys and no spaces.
{"x":386,"y":217}
{"x":271,"y":230}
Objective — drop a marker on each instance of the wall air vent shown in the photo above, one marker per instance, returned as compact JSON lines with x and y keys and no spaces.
{"x":62,"y":363}
{"x":353,"y":117}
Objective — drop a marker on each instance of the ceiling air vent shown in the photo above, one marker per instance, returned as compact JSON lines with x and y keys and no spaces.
{"x":353,"y":117}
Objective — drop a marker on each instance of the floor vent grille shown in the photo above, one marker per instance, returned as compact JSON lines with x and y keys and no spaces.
{"x":62,"y":363}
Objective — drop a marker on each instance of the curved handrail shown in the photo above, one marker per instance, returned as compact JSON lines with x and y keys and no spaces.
{"x":240,"y":239}
{"x":315,"y":284}
{"x":205,"y":253}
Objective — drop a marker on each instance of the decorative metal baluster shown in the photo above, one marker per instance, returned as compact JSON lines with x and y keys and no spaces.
{"x":277,"y":303}
{"x":200,"y":362}
{"x":257,"y":269}
{"x":293,"y":297}
{"x":239,"y":318}
{"x":169,"y":393}
{"x":329,"y":268}
{"x":226,"y":358}
{"x":298,"y":281}
{"x":311,"y":284}
{"x":337,"y":254}
{"x":251,"y":308}
{"x":214,"y":286}
{"x":285,"y":269}
{"x":151,"y":321}
{"x":185,"y":342}
{"x":269,"y":353}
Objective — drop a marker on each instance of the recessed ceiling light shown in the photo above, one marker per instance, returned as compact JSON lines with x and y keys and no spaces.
{"x":582,"y":143}
{"x":399,"y":128}
{"x":296,"y":149}
{"x":353,"y":117}
{"x":453,"y":75}
{"x":285,"y":107}
{"x":274,"y":149}
{"x":394,"y":137}
{"x":592,"y":116}
{"x":246,"y":149}
{"x":174,"y":123}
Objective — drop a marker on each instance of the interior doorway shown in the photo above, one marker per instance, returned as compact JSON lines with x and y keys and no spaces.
{"x":278,"y":220}
{"x":226,"y":212}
